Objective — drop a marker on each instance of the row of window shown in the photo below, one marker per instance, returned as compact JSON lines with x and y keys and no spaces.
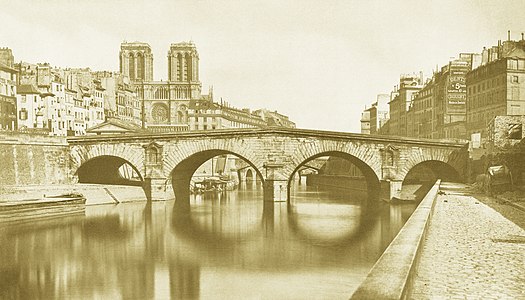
{"x":488,"y":84}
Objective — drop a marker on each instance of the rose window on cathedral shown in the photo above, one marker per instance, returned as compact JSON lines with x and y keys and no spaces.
{"x":159,"y":113}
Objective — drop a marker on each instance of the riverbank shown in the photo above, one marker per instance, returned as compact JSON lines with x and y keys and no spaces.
{"x":94,"y":193}
{"x":392,"y":274}
{"x":470,"y":251}
{"x":27,"y":210}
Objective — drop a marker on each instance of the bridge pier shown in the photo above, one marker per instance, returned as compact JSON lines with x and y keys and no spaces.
{"x":390,"y":189}
{"x":275,"y":183}
{"x":276,"y":190}
{"x":156,"y":189}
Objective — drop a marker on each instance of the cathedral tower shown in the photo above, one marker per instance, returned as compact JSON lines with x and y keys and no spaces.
{"x":136,"y":61}
{"x":183,"y":62}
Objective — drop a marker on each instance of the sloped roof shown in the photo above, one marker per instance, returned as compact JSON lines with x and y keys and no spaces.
{"x":202,"y":104}
{"x":516,"y":52}
{"x":25,"y":89}
{"x":114,"y":125}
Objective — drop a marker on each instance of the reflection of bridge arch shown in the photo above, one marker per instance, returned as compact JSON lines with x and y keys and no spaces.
{"x":301,"y":224}
{"x":214,"y":226}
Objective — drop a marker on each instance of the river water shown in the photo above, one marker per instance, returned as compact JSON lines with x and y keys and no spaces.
{"x":229,"y":246}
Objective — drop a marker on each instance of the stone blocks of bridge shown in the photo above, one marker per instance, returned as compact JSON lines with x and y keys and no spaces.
{"x":274,"y":155}
{"x":156,"y":189}
{"x":390,"y":189}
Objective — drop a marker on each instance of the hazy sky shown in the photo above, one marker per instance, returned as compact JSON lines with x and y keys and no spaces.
{"x":319,"y":62}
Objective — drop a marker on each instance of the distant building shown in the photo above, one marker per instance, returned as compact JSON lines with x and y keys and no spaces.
{"x":163,"y":102}
{"x":8,"y":82}
{"x":74,"y":101}
{"x":178,"y":103}
{"x":409,"y":86}
{"x":136,"y":61}
{"x":438,"y":110}
{"x":30,"y":105}
{"x":273,"y":118}
{"x":365,"y":121}
{"x":114,"y":126}
{"x":6,"y":57}
{"x":496,"y":88}
{"x":375,"y":117}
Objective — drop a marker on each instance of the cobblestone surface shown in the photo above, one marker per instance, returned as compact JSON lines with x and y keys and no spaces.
{"x":470,"y":252}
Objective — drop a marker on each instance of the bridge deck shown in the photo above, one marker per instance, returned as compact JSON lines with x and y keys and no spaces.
{"x":225,"y":133}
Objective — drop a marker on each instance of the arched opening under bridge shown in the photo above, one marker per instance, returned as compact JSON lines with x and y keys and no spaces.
{"x":109,"y":169}
{"x":338,"y":170}
{"x":186,"y":180}
{"x":422,"y":176}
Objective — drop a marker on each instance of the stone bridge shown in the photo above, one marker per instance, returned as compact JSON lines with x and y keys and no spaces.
{"x":166,"y":162}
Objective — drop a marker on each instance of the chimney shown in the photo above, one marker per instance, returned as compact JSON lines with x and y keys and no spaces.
{"x":522,"y":38}
{"x":508,"y":35}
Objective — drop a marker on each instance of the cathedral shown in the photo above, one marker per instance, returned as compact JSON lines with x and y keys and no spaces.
{"x":164,"y":103}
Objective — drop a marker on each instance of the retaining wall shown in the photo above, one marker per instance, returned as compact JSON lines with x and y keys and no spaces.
{"x":33,"y":159}
{"x":391,"y":276}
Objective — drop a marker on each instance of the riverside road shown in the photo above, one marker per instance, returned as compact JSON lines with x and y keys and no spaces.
{"x":471,"y":251}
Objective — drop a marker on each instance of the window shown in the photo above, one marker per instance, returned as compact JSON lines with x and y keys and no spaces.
{"x":152,"y":155}
{"x":521,"y":64}
{"x":514,"y":79}
{"x":22,"y":114}
{"x":389,"y":158}
{"x":512,"y":64}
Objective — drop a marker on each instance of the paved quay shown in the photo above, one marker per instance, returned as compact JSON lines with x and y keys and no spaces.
{"x":470,"y":252}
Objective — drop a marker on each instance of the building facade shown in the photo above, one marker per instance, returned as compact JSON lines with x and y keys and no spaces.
{"x":409,"y":86}
{"x":365,"y":121}
{"x":8,"y":81}
{"x":178,"y":104}
{"x":69,"y":101}
{"x":496,"y":88}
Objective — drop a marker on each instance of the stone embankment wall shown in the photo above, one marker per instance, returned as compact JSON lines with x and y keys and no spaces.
{"x":337,"y":181}
{"x":33,"y":159}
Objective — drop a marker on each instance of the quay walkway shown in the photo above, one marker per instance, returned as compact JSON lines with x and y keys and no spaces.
{"x":470,"y":251}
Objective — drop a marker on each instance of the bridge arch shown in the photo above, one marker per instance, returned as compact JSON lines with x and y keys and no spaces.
{"x":430,"y":171}
{"x":440,"y":161}
{"x":79,"y":155}
{"x":182,"y":173}
{"x":360,"y":152}
{"x":106,"y":169}
{"x":370,"y":175}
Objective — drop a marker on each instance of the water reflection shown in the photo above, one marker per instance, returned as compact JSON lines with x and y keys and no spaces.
{"x":234,"y":245}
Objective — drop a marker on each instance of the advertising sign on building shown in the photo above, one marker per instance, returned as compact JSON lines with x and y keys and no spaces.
{"x":456,"y":87}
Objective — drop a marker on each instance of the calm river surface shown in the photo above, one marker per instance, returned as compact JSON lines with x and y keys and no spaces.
{"x":229,"y":246}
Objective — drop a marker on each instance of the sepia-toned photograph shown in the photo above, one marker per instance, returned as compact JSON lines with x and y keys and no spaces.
{"x":262,"y":149}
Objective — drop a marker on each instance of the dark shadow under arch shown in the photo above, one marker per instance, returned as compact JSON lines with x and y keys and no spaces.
{"x":249,"y":175}
{"x":431,"y":170}
{"x":373,"y":184}
{"x":105,"y":170}
{"x":182,"y":173}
